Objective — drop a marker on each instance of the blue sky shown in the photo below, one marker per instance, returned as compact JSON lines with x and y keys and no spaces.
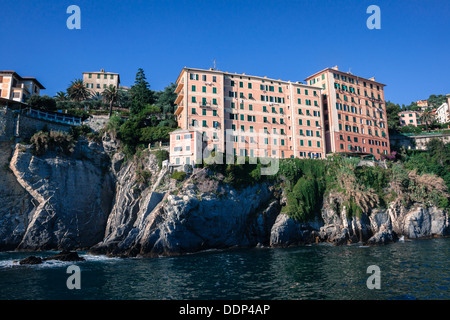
{"x":281,"y":39}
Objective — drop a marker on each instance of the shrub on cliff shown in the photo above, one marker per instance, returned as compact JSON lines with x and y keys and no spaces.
{"x":178,"y":175}
{"x":54,"y":140}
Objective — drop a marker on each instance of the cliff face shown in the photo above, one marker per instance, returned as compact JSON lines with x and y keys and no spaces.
{"x":199,"y":214}
{"x":15,"y":203}
{"x":95,"y":200}
{"x":70,"y":197}
{"x":380,"y":226}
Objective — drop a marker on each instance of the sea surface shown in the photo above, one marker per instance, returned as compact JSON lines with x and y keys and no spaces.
{"x":418,"y":269}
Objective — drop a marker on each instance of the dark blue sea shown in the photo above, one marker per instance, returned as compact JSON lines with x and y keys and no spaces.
{"x":417,"y":269}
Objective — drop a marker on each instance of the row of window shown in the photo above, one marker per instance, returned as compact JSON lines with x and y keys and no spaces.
{"x":359,"y":100}
{"x":353,"y":80}
{"x":91,"y":85}
{"x":368,"y":122}
{"x":105,"y":76}
{"x":370,"y":141}
{"x":356,"y":129}
{"x":352,"y":90}
{"x":360,"y":149}
{"x":194,"y":76}
{"x":353,"y":109}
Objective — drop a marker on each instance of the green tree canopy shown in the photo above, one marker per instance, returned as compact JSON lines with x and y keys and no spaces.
{"x":140,"y":93}
{"x":44,"y":102}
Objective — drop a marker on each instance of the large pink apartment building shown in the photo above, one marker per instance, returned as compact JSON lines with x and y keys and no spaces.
{"x":333,"y":112}
{"x":266,"y":117}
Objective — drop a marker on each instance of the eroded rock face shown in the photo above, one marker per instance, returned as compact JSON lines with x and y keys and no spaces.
{"x":201,"y":215}
{"x":72,"y":197}
{"x":15,"y":203}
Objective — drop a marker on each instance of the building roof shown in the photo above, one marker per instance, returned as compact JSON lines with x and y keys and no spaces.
{"x":335,"y":69}
{"x":24,"y":78}
{"x":245,"y":75}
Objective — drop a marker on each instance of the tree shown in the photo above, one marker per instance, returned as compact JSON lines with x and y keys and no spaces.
{"x":166,"y":99}
{"x":77,"y":91}
{"x":427,"y":117}
{"x":60,"y":96}
{"x":393,"y":118}
{"x":45,"y":102}
{"x":110,"y":95}
{"x":140,"y":93}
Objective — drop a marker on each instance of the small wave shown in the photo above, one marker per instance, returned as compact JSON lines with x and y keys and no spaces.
{"x":99,"y":258}
{"x":8,"y":264}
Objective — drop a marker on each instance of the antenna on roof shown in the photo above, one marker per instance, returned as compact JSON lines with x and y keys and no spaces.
{"x":350,"y":70}
{"x":214,"y":65}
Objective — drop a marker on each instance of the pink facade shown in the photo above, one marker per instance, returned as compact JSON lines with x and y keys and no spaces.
{"x":232,"y":110}
{"x":409,"y":118}
{"x":355,"y":113}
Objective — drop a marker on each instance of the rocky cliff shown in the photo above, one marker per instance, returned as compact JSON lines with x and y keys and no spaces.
{"x":96,"y":200}
{"x":66,"y":200}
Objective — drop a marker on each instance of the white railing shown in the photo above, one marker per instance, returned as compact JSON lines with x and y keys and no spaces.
{"x":61,"y":118}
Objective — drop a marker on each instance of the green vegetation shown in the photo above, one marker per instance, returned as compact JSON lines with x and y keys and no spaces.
{"x":60,"y":142}
{"x":161,"y":155}
{"x":178,"y":175}
{"x":421,"y":178}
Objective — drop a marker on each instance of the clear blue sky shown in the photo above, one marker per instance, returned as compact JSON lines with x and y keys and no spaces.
{"x":282,"y":39}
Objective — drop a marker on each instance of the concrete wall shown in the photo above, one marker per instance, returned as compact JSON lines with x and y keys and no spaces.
{"x":14,"y":124}
{"x":6,"y":125}
{"x":418,"y":141}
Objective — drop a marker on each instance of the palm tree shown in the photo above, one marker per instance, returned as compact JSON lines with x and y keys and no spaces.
{"x":111,"y":95}
{"x":60,"y":96}
{"x":96,"y":96}
{"x":77,"y":90}
{"x":427,"y":117}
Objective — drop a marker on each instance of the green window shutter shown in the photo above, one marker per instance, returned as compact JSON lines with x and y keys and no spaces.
{"x":193,"y":88}
{"x":203,"y":89}
{"x":204,"y":123}
{"x":194,"y":100}
{"x":193,"y":110}
{"x":204,"y":112}
{"x":214,"y":101}
{"x":214,"y":90}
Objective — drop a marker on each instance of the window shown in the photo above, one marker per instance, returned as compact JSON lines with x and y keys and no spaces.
{"x":98,"y":85}
{"x":193,"y":111}
{"x":194,"y":100}
{"x":214,"y":90}
{"x":214,"y":113}
{"x":98,"y":76}
{"x":204,"y":123}
{"x":214,"y":100}
{"x":214,"y":79}
{"x":112,"y":77}
{"x":90,"y":75}
{"x":249,"y":85}
{"x":193,"y":88}
{"x":203,"y":89}
{"x":204,"y":77}
{"x":105,"y":76}
{"x":203,"y":112}
{"x":241,"y":84}
{"x":232,"y":83}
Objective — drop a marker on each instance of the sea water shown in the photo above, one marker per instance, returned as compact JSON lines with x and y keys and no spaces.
{"x":417,"y":269}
